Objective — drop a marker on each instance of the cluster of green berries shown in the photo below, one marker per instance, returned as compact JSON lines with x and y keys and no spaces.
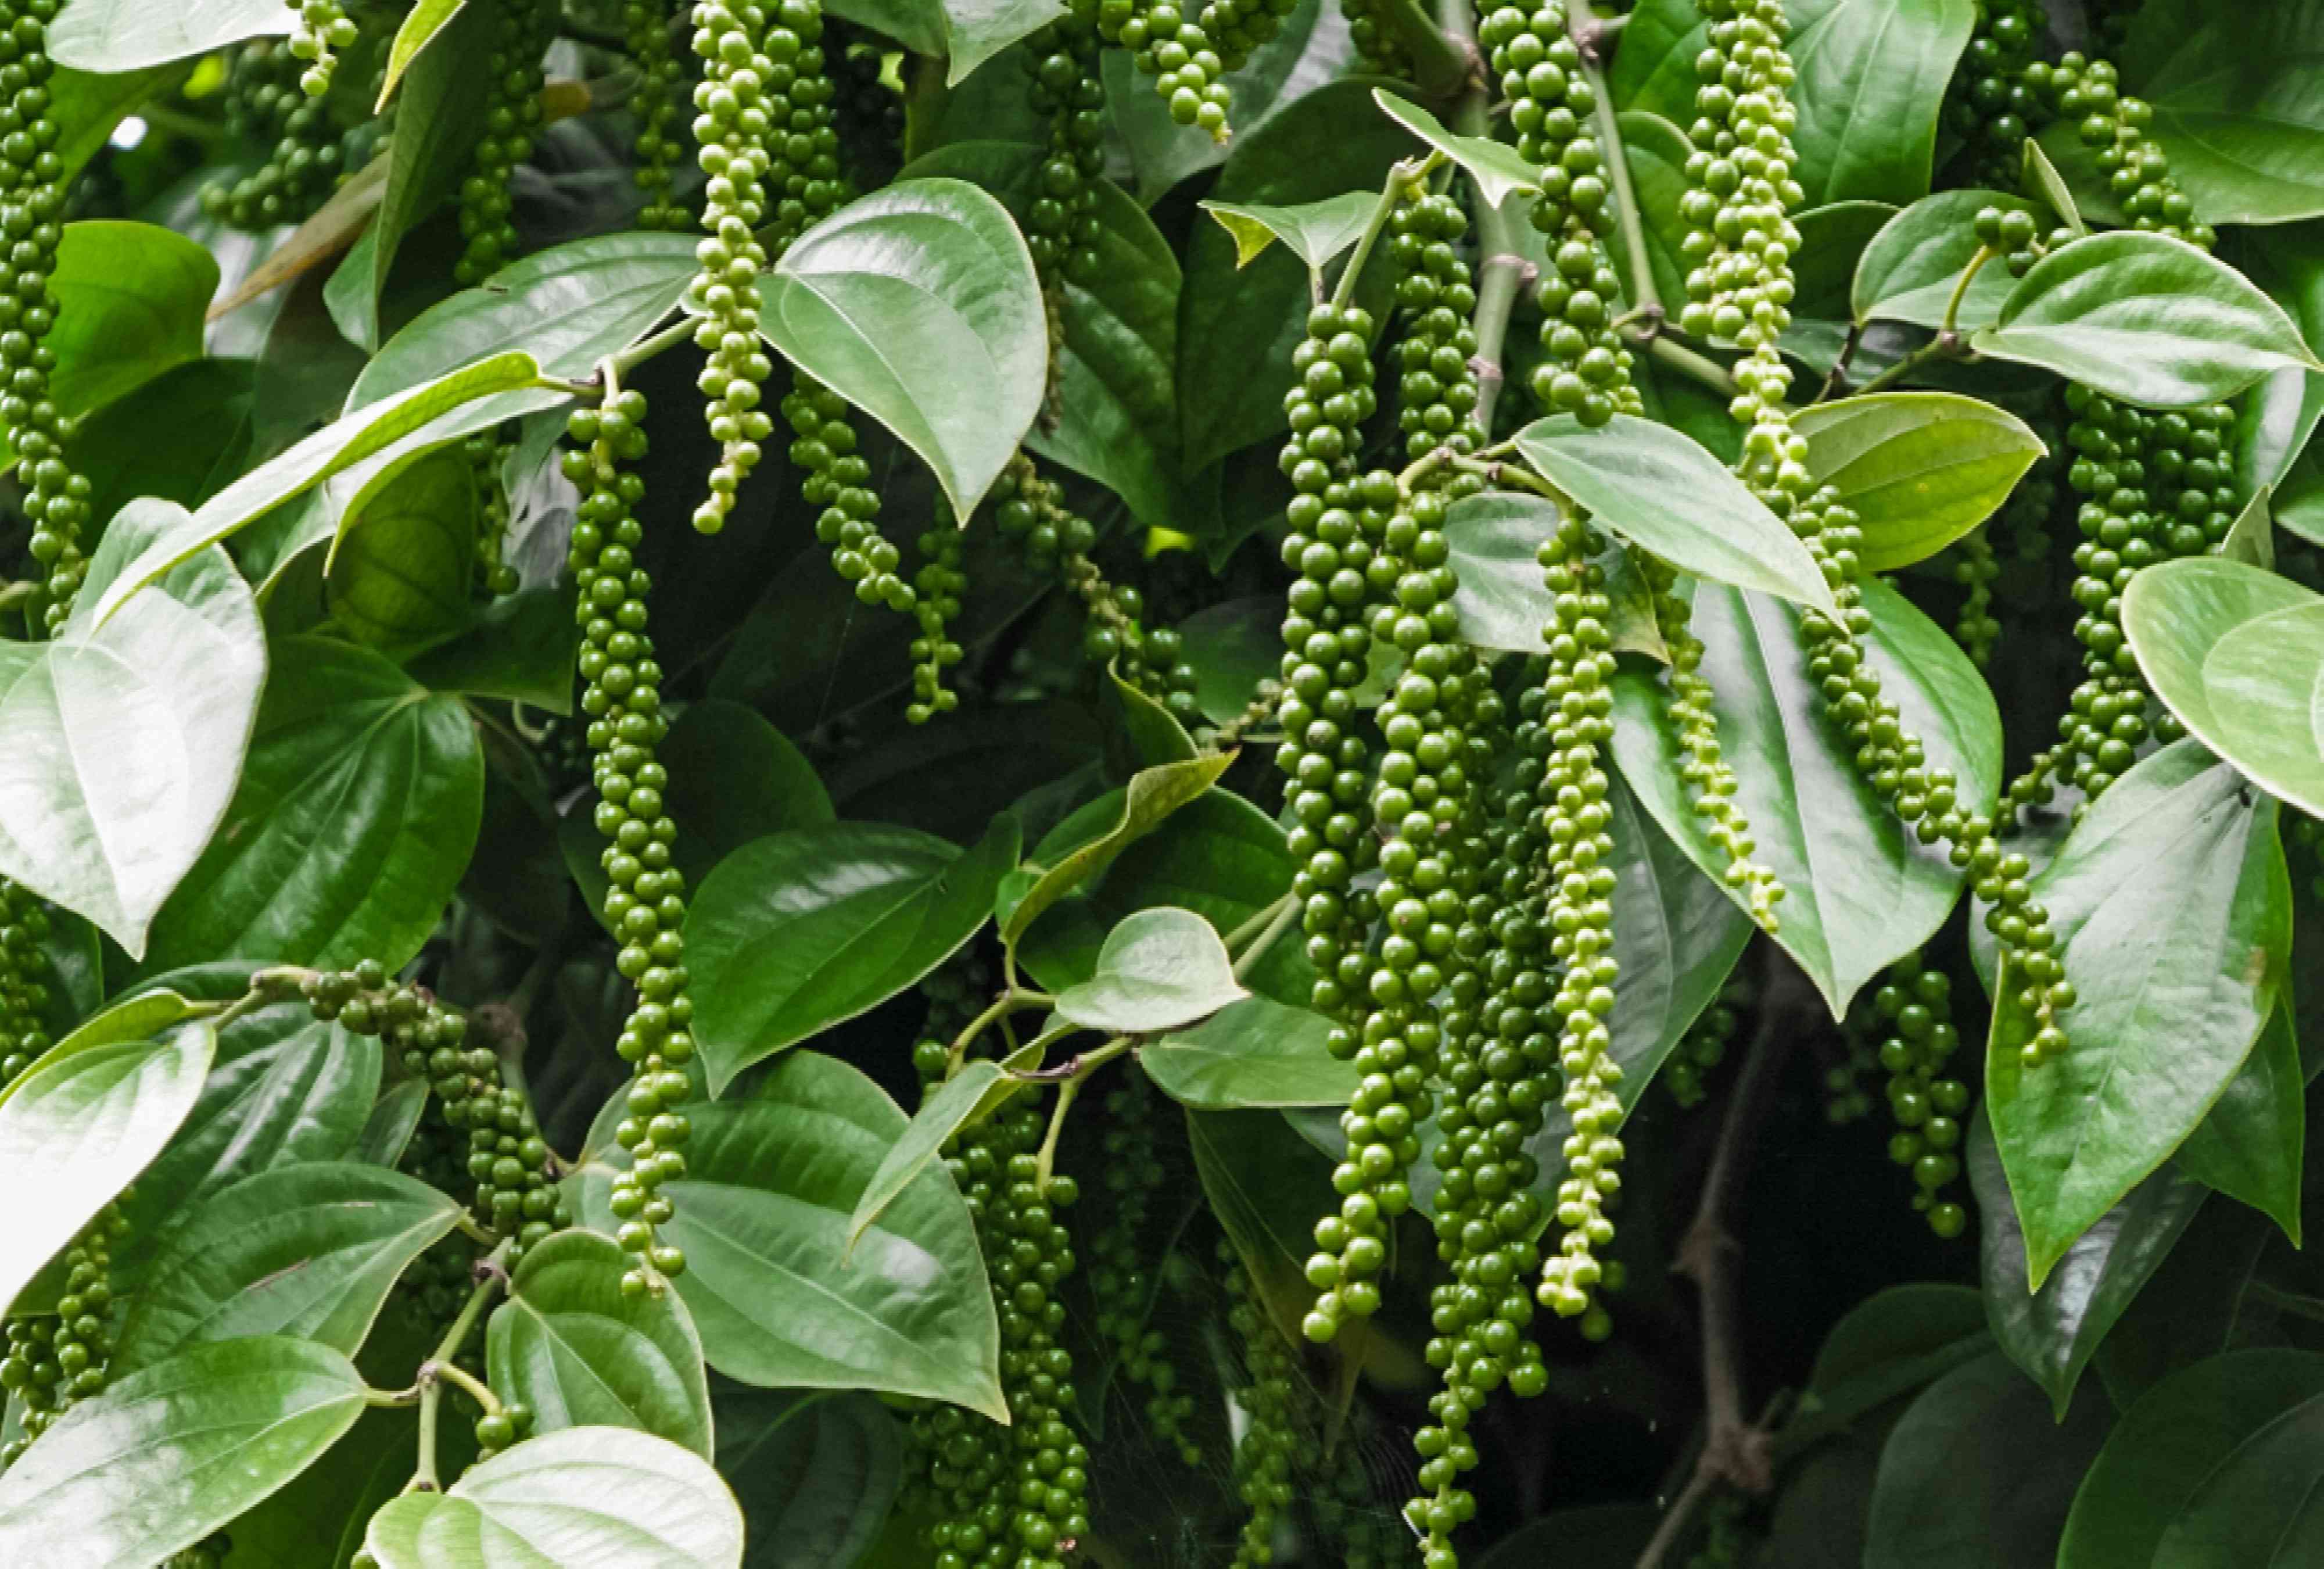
{"x":1437,"y":386}
{"x":521,"y":29}
{"x":1175,"y":49}
{"x":838,"y":479}
{"x":431,"y":1291}
{"x":1917,"y":1041}
{"x":24,"y":995}
{"x":1740,"y":238}
{"x":653,"y":105}
{"x":868,"y":109}
{"x":1379,"y":51}
{"x":1013,"y":1497}
{"x":1991,"y":107}
{"x":304,"y":159}
{"x":1061,"y":225}
{"x":323,"y":27}
{"x":936,"y":590}
{"x":2138,"y":172}
{"x":210,"y":1553}
{"x":55,"y":1363}
{"x":1120,"y":1285}
{"x":1709,"y":782}
{"x":1704,"y":1045}
{"x":496,"y":1430}
{"x":645,"y":898}
{"x":1846,"y":1099}
{"x":803,"y":183}
{"x":487,"y":453}
{"x":507,"y":1162}
{"x":1268,"y":1454}
{"x":1975,"y":566}
{"x":31,"y":216}
{"x":2017,"y":237}
{"x":1237,"y":27}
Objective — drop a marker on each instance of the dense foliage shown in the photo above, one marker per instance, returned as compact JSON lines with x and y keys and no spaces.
{"x":1138,"y":782}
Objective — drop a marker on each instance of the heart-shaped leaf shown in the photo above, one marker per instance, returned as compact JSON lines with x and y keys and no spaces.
{"x":919,"y":304}
{"x":2171,"y":909}
{"x":171,"y":1452}
{"x":582,"y":1353}
{"x":402,"y":571}
{"x":2146,"y":318}
{"x":357,"y":810}
{"x":129,"y":299}
{"x":120,"y":743}
{"x":1910,"y":270}
{"x":1257,"y":1052}
{"x":2263,"y":683}
{"x":1860,"y":890}
{"x":581,"y":1498}
{"x":804,"y":929}
{"x":777,"y":1296}
{"x":2176,"y":612}
{"x":1919,"y":469}
{"x":1315,"y":231}
{"x":306,"y":1251}
{"x":79,"y":1124}
{"x":1160,"y":969}
{"x":1663,"y":492}
{"x":1499,"y":169}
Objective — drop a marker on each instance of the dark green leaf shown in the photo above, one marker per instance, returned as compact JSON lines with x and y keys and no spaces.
{"x":1601,"y":1534}
{"x":2040,"y":178}
{"x":1919,"y":469}
{"x":2189,"y":1308}
{"x":1660,"y":490}
{"x":306,"y":1251}
{"x":357,"y":810}
{"x":1657,"y":151}
{"x":979,"y":1089}
{"x":1859,"y":890}
{"x":179,"y":437}
{"x":1255,"y":1053}
{"x":2173,"y":913}
{"x":1238,"y":643}
{"x":918,"y":305}
{"x":129,"y":304}
{"x":576,"y":1496}
{"x":520,"y":648}
{"x":400,"y":572}
{"x":1159,"y":969}
{"x":817,"y":1473}
{"x":779,"y":1299}
{"x":2275,"y":424}
{"x":1267,"y":1189}
{"x":1910,"y":270}
{"x":318,"y":1521}
{"x":806,"y":927}
{"x":2257,"y":1509}
{"x":171,"y":1452}
{"x":2145,"y":319}
{"x":1887,"y":1348}
{"x":582,"y":1353}
{"x":1149,"y":798}
{"x":394,"y":1118}
{"x":2249,"y":1146}
{"x":2238,"y":108}
{"x":1832,"y":243}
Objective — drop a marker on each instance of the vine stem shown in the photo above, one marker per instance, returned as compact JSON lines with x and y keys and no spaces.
{"x":1944,"y":346}
{"x":1400,"y":178}
{"x":1285,"y":910}
{"x":1008,"y":1002}
{"x":491,"y":1275}
{"x":1503,"y":271}
{"x":1589,"y":32}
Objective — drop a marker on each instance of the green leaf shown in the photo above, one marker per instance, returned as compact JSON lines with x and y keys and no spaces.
{"x":779,"y":1299}
{"x":1316,"y":231}
{"x":2172,"y":910}
{"x":802,"y":929}
{"x":2175,"y":613}
{"x":394,"y":1118}
{"x":2237,"y":106}
{"x":1919,"y":469}
{"x":917,"y":24}
{"x":2257,"y":1509}
{"x":981,"y":1087}
{"x":1238,"y":643}
{"x":88,"y":106}
{"x":125,"y":739}
{"x":167,"y":1455}
{"x":1887,"y":1348}
{"x":2052,"y":1331}
{"x":422,"y":23}
{"x":339,"y":446}
{"x":817,"y":1473}
{"x":1498,"y":171}
{"x":1657,"y":151}
{"x":1265,"y":1187}
{"x":400,"y":572}
{"x":1910,"y":270}
{"x":520,"y":648}
{"x":105,"y":36}
{"x":1501,"y":595}
{"x":318,"y":1521}
{"x":179,"y":437}
{"x":2275,"y":422}
{"x":1978,"y":1472}
{"x":2041,"y":177}
{"x":306,"y":1251}
{"x":582,"y":1353}
{"x":1150,"y":797}
{"x":2187,"y":1310}
{"x":1860,"y":890}
{"x":2252,"y":538}
{"x":1255,"y":1053}
{"x":129,"y":299}
{"x":1660,"y":490}
{"x":918,"y":305}
{"x":977,"y":29}
{"x":358,"y":807}
{"x":581,"y":1498}
{"x":2180,"y":1432}
{"x":2263,"y":684}
{"x":1833,"y":243}
{"x":1596,"y":1534}
{"x":2145,"y":319}
{"x":1160,"y":969}
{"x":2250,"y":1146}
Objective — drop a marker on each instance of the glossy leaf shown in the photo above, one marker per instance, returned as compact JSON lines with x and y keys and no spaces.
{"x":400,"y":572}
{"x":1834,"y":240}
{"x":394,"y":1118}
{"x":129,"y":304}
{"x":102,"y":36}
{"x":2237,"y":107}
{"x":421,"y":24}
{"x":317,"y":1522}
{"x":306,"y":1251}
{"x":979,"y":1089}
{"x":79,"y":1124}
{"x":120,"y":743}
{"x":2257,"y":1508}
{"x":1311,"y":48}
{"x":1498,"y":170}
{"x":777,"y":1296}
{"x":2250,"y":1146}
{"x":1238,"y":643}
{"x":1160,"y":969}
{"x":2041,"y":177}
{"x":816,"y":1474}
{"x":804,"y":929}
{"x":2263,"y":684}
{"x":1495,"y":540}
{"x":2145,"y":319}
{"x":2176,"y":612}
{"x":1255,"y":1053}
{"x":581,"y":1498}
{"x":520,"y":649}
{"x":582,"y":1353}
{"x":357,"y":810}
{"x":2052,"y":1332}
{"x":918,"y":305}
{"x":1315,"y":231}
{"x":2180,"y":1433}
{"x":2172,"y":910}
{"x":1912,"y":267}
{"x":1860,"y":890}
{"x":1150,"y":797}
{"x":2250,"y":538}
{"x":1919,"y":469}
{"x":1660,"y":490}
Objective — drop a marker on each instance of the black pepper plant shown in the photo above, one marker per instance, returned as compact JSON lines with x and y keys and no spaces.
{"x":953,"y":815}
